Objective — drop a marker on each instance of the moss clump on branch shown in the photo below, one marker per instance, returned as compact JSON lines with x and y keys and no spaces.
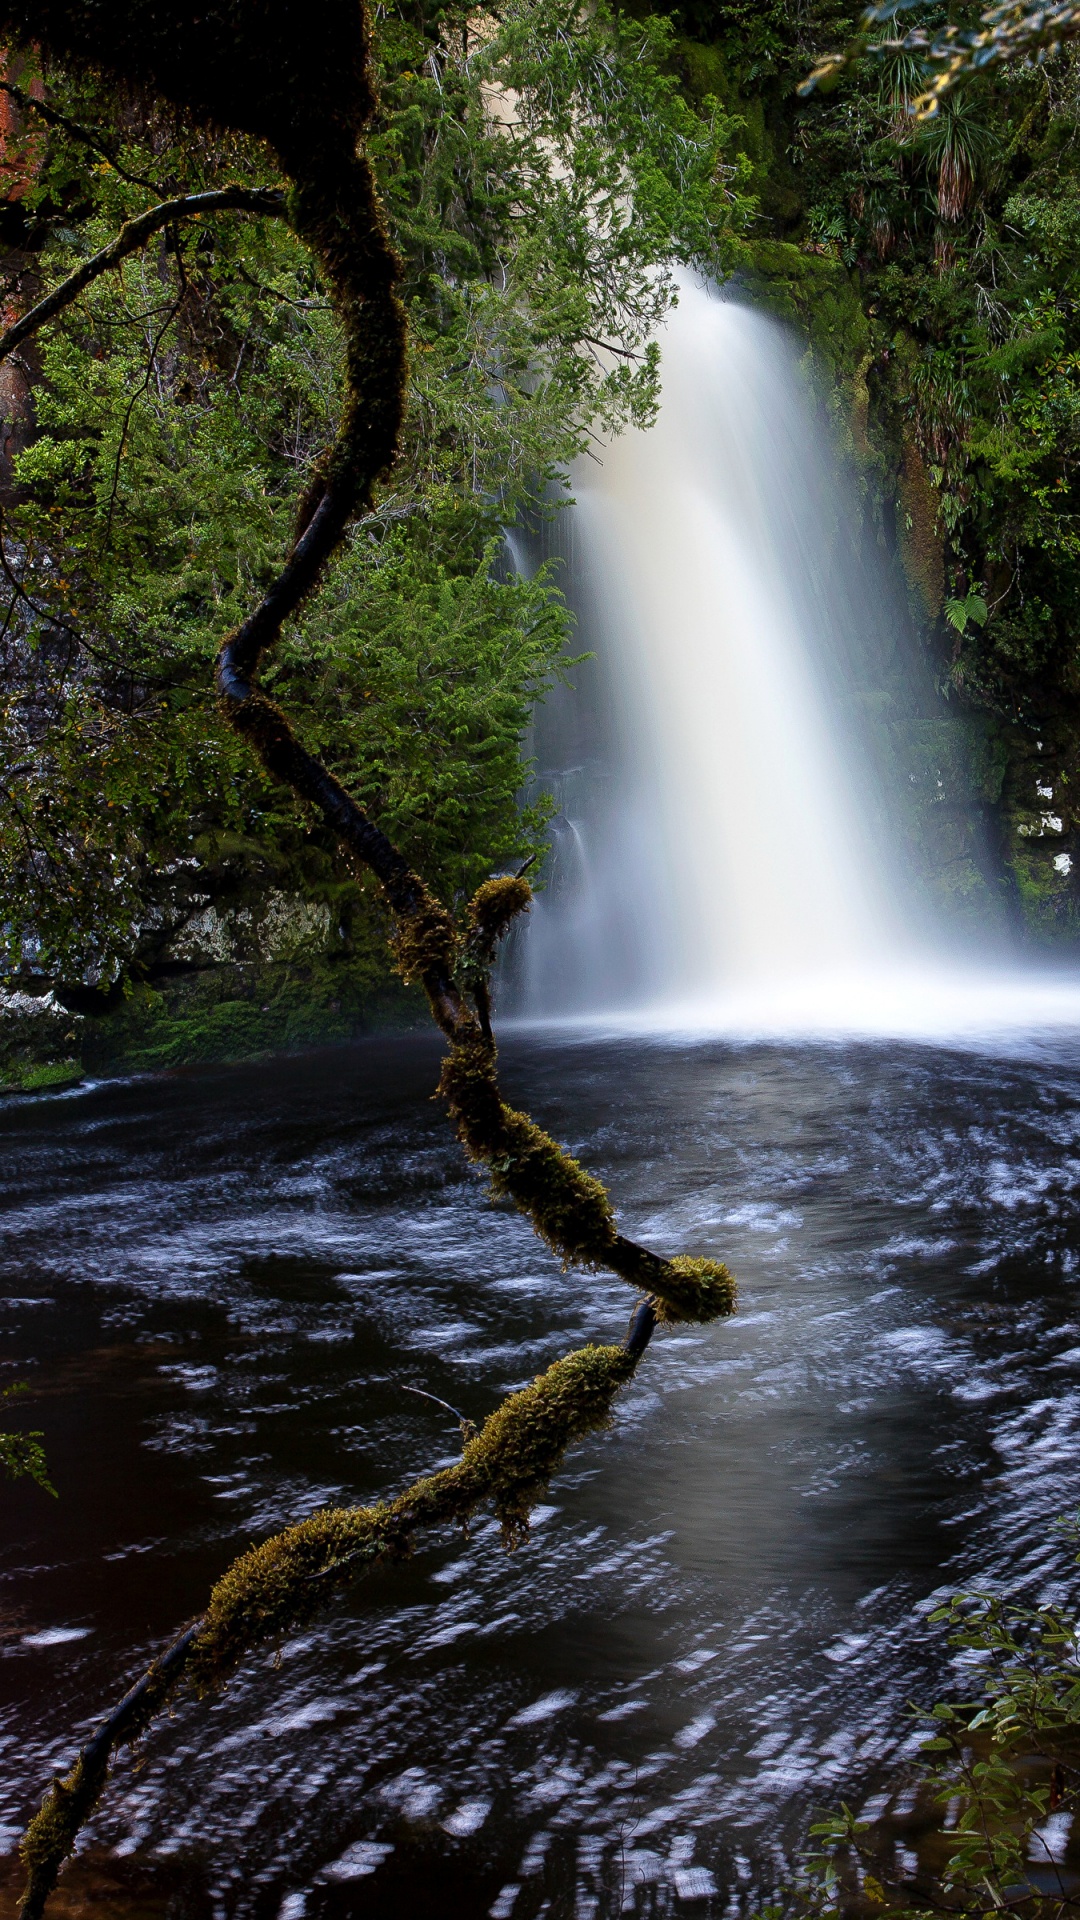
{"x":519,"y":1448}
{"x":695,"y":1289}
{"x":685,"y":1288}
{"x":52,"y":1833}
{"x":425,"y":941}
{"x":284,"y":1582}
{"x":569,"y":1209}
{"x":492,"y":908}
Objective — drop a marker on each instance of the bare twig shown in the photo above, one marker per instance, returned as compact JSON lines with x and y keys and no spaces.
{"x":82,"y":135}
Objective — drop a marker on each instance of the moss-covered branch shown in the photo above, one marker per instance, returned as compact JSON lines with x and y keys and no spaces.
{"x":287,"y":1580}
{"x":305,"y":89}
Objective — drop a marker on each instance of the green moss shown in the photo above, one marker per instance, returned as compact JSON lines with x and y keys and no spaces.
{"x":695,"y":1289}
{"x":520,"y":1447}
{"x":568,"y":1208}
{"x":1045,"y":896}
{"x":40,"y":1077}
{"x":492,"y":908}
{"x":39,"y":1046}
{"x":52,"y":1833}
{"x":707,"y":74}
{"x":508,"y":1465}
{"x":237,"y":1012}
{"x":425,"y":941}
{"x":922,"y":547}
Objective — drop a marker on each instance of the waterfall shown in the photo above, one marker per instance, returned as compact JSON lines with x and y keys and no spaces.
{"x":728,"y":850}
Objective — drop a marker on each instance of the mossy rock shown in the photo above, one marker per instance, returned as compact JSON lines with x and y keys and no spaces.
{"x":50,"y":1076}
{"x":39,"y":1045}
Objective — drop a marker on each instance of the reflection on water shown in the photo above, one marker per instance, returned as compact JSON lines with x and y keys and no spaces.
{"x":220,"y":1284}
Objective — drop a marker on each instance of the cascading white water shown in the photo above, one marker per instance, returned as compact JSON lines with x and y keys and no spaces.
{"x":729,"y":851}
{"x":724,"y":856}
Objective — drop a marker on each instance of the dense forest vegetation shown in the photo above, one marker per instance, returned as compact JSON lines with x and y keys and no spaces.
{"x":161,"y":435}
{"x":931,"y":265}
{"x":164,"y":900}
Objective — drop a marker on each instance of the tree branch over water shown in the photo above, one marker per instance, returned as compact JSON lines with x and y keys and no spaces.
{"x":305,"y":90}
{"x":133,"y":235}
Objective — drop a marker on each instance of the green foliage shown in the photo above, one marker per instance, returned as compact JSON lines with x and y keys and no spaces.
{"x":21,"y":1454}
{"x":961,"y":612}
{"x":246,"y":1011}
{"x":949,"y":51}
{"x":996,"y":1763}
{"x":541,"y":173}
{"x":415,"y":677}
{"x":961,"y":227}
{"x":944,"y":323}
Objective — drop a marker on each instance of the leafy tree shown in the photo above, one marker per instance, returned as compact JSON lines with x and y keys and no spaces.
{"x":180,"y":402}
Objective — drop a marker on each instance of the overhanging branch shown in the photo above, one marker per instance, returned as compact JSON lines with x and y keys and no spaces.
{"x":133,"y":235}
{"x":310,"y":97}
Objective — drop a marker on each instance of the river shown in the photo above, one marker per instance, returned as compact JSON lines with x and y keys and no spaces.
{"x":220,"y":1284}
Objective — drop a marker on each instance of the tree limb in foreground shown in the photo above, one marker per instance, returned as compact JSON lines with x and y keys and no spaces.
{"x":304,"y":87}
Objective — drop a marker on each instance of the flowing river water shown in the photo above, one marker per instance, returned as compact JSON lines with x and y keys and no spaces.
{"x":221,"y":1284}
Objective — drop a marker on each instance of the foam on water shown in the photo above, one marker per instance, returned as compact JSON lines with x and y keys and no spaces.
{"x":1021,"y":1011}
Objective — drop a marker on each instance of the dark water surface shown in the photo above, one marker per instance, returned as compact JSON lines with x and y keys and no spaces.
{"x":221,"y":1283}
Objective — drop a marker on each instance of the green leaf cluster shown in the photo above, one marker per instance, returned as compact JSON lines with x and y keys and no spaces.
{"x":21,"y":1454}
{"x":996,"y":1764}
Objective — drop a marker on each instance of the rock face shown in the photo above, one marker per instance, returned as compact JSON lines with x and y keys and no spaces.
{"x":40,"y":1044}
{"x":231,"y":986}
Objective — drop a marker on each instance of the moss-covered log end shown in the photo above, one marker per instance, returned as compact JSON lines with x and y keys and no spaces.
{"x":53,"y":1831}
{"x":494,"y":905}
{"x":694,"y":1289}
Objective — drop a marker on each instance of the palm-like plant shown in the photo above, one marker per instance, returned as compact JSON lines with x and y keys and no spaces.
{"x":953,"y":142}
{"x":900,"y":81}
